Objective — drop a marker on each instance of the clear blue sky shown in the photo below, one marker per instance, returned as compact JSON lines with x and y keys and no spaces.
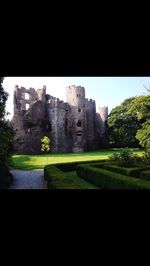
{"x":108,"y":91}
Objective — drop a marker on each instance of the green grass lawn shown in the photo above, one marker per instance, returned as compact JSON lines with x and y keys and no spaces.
{"x":29,"y":162}
{"x":79,"y":181}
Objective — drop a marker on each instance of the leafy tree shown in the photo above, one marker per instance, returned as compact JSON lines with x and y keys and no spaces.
{"x":6,"y":131}
{"x":141,"y":109}
{"x":122,"y":126}
{"x":6,"y":136}
{"x":45,"y":146}
{"x":6,"y":141}
{"x":143,"y":135}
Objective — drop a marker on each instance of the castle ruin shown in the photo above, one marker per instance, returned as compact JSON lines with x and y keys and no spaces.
{"x":72,"y":126}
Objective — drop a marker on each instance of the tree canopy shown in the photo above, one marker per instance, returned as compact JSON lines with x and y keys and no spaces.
{"x":129,"y":123}
{"x":141,"y":109}
{"x":6,"y":131}
{"x":122,"y":126}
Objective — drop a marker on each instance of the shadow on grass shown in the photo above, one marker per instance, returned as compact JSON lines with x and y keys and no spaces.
{"x":21,"y":162}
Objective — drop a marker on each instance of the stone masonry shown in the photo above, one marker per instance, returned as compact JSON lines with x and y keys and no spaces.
{"x":72,"y":126}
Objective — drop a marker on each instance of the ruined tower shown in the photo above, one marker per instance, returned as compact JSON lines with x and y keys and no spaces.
{"x":76,"y":101}
{"x":29,"y":119}
{"x":59,"y":124}
{"x":103,"y":112}
{"x":91,"y":124}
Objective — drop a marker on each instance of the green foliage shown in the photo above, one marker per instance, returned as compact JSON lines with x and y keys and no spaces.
{"x":143,"y":135}
{"x":80,"y":181}
{"x":146,"y":156}
{"x":56,"y":176}
{"x":56,"y":179}
{"x":6,"y":140}
{"x":105,"y":179}
{"x":145,"y":175}
{"x":134,"y":171}
{"x":128,"y":158}
{"x":116,"y":169}
{"x":45,"y":146}
{"x":141,"y":109}
{"x":125,"y":157}
{"x":67,"y":167}
{"x":129,"y":124}
{"x":3,"y":99}
{"x":122,"y":126}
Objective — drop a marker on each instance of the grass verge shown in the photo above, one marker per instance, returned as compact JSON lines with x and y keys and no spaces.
{"x":30,"y":162}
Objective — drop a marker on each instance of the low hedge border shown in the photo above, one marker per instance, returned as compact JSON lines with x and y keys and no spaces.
{"x":68,"y":167}
{"x":145,"y":175}
{"x":106,"y":179}
{"x":134,"y":171}
{"x":55,"y":177}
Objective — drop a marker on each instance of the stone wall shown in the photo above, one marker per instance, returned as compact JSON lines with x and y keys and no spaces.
{"x":91,"y":124}
{"x":29,"y":123}
{"x":59,"y":117}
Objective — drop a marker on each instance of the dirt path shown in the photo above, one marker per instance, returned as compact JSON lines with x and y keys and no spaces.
{"x":28,"y":179}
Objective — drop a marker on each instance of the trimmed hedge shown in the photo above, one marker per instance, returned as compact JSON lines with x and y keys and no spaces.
{"x":134,"y":171}
{"x":145,"y":175}
{"x":68,"y":167}
{"x":55,"y":177}
{"x":109,"y":180}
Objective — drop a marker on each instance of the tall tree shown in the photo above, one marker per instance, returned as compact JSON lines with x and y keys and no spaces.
{"x":6,"y":132}
{"x":122,"y":126}
{"x":141,"y":109}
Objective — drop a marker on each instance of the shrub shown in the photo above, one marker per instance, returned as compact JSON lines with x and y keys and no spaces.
{"x":5,"y":177}
{"x":126,"y":158}
{"x":109,"y":180}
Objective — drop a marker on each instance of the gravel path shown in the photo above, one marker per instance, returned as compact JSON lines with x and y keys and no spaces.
{"x":28,"y":179}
